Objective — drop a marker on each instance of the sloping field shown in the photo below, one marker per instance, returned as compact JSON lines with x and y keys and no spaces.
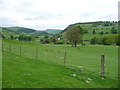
{"x":48,"y":70}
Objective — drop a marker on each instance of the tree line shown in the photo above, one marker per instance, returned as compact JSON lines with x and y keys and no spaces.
{"x":106,"y":40}
{"x":21,"y":37}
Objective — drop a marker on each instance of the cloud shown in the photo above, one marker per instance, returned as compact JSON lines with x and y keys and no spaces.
{"x":119,"y":10}
{"x":43,"y":14}
{"x":7,"y":21}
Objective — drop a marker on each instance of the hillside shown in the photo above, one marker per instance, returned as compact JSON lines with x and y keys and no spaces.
{"x":53,"y":31}
{"x":96,"y":29}
{"x":104,"y":26}
{"x":19,"y":29}
{"x":7,"y":31}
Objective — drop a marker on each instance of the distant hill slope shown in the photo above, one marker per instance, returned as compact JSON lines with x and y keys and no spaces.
{"x":98,"y":26}
{"x":19,"y":29}
{"x":53,"y":31}
{"x":7,"y":31}
{"x":26,"y":30}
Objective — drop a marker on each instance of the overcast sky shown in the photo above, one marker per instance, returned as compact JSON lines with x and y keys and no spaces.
{"x":57,"y":14}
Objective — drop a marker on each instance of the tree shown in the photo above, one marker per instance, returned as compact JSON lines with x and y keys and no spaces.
{"x":11,"y":37}
{"x":113,"y":30}
{"x":119,"y":21}
{"x":46,"y":36}
{"x":106,"y":24}
{"x":94,"y":41}
{"x":53,"y":39}
{"x":106,"y":28}
{"x":101,"y":33}
{"x":111,"y":24}
{"x":74,"y":35}
{"x":94,"y":32}
{"x":117,"y":39}
{"x":44,"y":41}
{"x":106,"y":32}
{"x":103,"y":40}
{"x":1,"y":35}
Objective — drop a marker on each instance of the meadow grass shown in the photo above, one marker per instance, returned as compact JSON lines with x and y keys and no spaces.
{"x":0,"y":63}
{"x":49,"y":71}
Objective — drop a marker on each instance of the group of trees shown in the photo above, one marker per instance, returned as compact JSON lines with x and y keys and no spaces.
{"x":106,"y":40}
{"x":113,"y":31}
{"x":104,"y":23}
{"x":98,"y":22}
{"x":23,"y":38}
{"x":56,"y":39}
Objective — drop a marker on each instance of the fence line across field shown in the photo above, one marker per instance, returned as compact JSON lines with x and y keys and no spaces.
{"x":37,"y":55}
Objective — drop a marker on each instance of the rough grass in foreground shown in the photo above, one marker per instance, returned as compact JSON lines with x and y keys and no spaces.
{"x":81,"y":71}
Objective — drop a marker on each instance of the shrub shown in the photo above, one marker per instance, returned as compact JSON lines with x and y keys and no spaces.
{"x":45,"y":41}
{"x":94,"y":41}
{"x":59,"y":42}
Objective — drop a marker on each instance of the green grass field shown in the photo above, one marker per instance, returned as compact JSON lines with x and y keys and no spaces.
{"x":49,"y":71}
{"x":0,"y":63}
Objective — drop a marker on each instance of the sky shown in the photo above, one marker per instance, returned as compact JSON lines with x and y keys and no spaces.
{"x":55,"y":14}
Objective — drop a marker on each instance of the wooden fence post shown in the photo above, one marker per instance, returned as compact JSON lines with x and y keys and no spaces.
{"x":65,"y":58}
{"x":36,"y":53}
{"x":2,"y":44}
{"x":102,"y":65}
{"x":20,"y":50}
{"x":10,"y":47}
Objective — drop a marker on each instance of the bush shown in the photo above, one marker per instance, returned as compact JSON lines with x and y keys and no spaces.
{"x":59,"y":42}
{"x":103,"y":41}
{"x":117,"y":40}
{"x":11,"y":37}
{"x":106,"y":32}
{"x":94,"y":41}
{"x":101,"y":33}
{"x":106,"y":40}
{"x":26,"y":38}
{"x":113,"y":30}
{"x":45,"y":41}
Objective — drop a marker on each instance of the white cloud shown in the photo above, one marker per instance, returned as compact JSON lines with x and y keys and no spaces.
{"x":43,"y":14}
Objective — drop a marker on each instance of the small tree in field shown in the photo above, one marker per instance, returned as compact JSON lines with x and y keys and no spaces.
{"x":74,"y":35}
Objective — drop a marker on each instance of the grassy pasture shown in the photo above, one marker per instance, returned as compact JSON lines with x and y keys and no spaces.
{"x":0,"y":63}
{"x":49,"y":71}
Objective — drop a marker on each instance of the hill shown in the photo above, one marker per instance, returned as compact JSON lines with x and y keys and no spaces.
{"x":98,"y":26}
{"x":94,"y":29}
{"x":18,"y":29}
{"x":53,"y":31}
{"x":7,"y":31}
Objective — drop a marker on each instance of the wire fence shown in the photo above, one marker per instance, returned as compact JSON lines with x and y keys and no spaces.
{"x":60,"y":57}
{"x":37,"y":53}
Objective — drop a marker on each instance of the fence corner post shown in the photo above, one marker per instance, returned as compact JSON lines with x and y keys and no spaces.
{"x":102,"y":65}
{"x":36,"y":53}
{"x":20,"y":50}
{"x":65,"y":58}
